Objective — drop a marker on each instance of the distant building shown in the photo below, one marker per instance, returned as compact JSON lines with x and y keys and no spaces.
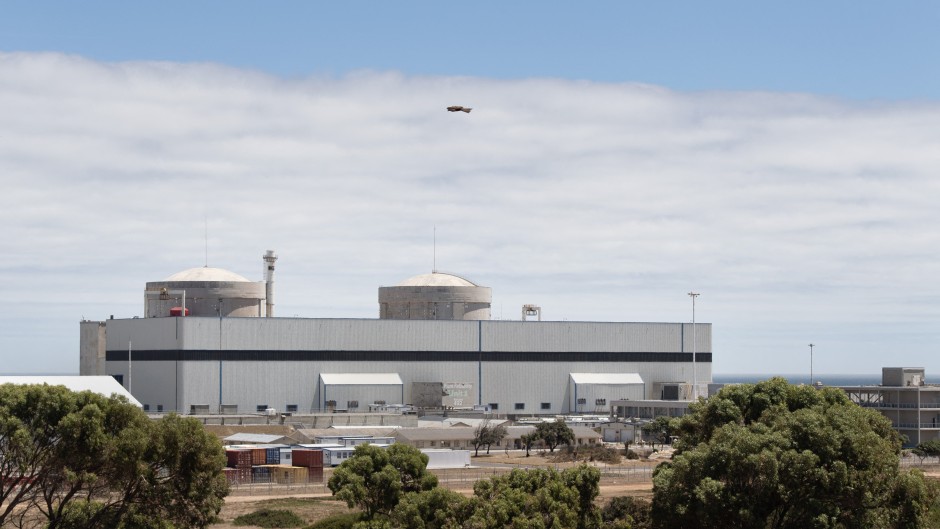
{"x":905,"y":398}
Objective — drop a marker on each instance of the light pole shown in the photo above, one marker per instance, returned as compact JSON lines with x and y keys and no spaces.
{"x":811,"y":364}
{"x":694,"y":295}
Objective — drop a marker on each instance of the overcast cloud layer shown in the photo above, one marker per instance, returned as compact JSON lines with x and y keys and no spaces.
{"x":799,"y":219}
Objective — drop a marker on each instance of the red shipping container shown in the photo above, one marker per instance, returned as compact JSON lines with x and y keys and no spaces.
{"x":307,"y":458}
{"x":259,"y":456}
{"x":238,"y":458}
{"x":236,"y":476}
{"x":231,"y":475}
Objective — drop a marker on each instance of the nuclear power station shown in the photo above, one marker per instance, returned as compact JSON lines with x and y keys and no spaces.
{"x":208,"y":342}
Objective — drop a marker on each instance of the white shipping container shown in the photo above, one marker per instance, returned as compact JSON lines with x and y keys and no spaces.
{"x":444,"y":458}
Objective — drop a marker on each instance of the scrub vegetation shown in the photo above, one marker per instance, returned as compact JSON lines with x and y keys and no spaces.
{"x":78,"y":459}
{"x":758,"y":456}
{"x":774,"y":455}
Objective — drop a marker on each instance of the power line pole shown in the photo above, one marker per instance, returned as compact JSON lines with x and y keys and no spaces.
{"x":694,"y":295}
{"x":811,"y":381}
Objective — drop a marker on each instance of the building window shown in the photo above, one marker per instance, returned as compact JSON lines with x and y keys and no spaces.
{"x":261,"y":408}
{"x":160,"y":408}
{"x":546,"y":405}
{"x":494,"y":406}
{"x":520,"y":405}
{"x":352,"y":404}
{"x":146,"y":407}
{"x":291,"y":408}
{"x":119,"y":378}
{"x":600,"y":402}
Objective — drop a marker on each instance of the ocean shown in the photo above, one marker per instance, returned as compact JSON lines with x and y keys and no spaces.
{"x":826,"y":379}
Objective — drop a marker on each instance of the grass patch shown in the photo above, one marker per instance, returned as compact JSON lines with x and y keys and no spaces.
{"x":588,"y":453}
{"x":291,"y":503}
{"x":270,"y":518}
{"x":337,"y":521}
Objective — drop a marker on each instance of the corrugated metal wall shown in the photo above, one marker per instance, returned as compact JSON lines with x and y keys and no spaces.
{"x":251,"y":382}
{"x":277,"y":384}
{"x":300,"y":334}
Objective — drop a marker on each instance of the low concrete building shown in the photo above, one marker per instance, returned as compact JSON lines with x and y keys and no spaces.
{"x":905,"y":398}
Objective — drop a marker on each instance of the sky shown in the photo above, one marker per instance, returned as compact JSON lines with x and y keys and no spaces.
{"x":779,"y":160}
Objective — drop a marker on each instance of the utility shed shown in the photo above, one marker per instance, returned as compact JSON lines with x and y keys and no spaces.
{"x":591,"y":392}
{"x":351,"y":392}
{"x":102,"y":385}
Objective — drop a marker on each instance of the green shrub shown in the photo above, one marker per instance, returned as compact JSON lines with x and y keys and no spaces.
{"x":270,"y":518}
{"x":588,"y":453}
{"x":633,"y":511}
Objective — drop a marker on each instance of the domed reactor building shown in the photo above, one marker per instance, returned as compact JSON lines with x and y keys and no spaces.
{"x":208,"y":343}
{"x":435,"y":296}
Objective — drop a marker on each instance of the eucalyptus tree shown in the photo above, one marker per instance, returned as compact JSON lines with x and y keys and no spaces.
{"x":774,"y":455}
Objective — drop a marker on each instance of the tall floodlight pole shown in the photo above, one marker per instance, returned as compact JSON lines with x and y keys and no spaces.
{"x":694,"y":295}
{"x":811,"y":364}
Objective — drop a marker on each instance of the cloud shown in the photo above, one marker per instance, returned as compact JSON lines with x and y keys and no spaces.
{"x":795,"y":216}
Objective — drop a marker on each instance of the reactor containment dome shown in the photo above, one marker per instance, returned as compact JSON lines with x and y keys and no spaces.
{"x":435,"y":296}
{"x":204,"y":291}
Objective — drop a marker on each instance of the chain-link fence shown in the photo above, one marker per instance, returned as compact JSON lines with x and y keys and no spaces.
{"x":452,"y":478}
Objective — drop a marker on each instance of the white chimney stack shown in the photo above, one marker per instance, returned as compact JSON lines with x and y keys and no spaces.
{"x":269,"y":258}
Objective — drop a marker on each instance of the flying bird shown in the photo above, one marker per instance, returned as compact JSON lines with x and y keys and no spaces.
{"x":458,"y":108}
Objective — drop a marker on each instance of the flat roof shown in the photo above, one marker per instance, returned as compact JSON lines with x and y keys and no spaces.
{"x":606,"y":378}
{"x":361,"y":379}
{"x":259,"y":438}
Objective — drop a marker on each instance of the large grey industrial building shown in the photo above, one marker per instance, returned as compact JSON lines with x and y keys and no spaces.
{"x":208,"y":342}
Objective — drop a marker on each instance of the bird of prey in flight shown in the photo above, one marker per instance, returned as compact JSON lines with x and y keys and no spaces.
{"x":458,"y":108}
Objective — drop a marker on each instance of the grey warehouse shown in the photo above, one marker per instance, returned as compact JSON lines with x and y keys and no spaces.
{"x":208,"y":342}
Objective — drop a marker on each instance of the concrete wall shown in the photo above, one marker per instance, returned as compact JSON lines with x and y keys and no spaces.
{"x":91,"y":348}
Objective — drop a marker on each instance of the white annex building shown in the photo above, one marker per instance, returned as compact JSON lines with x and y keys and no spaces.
{"x":102,"y":385}
{"x":209,"y":343}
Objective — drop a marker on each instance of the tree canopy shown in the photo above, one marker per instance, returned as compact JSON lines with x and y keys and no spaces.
{"x":84,"y":460}
{"x":375,"y":478}
{"x":537,"y":498}
{"x":487,"y":434}
{"x":928,"y":449}
{"x":660,"y":429}
{"x":393,"y":490}
{"x":773,"y":455}
{"x":554,"y":433}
